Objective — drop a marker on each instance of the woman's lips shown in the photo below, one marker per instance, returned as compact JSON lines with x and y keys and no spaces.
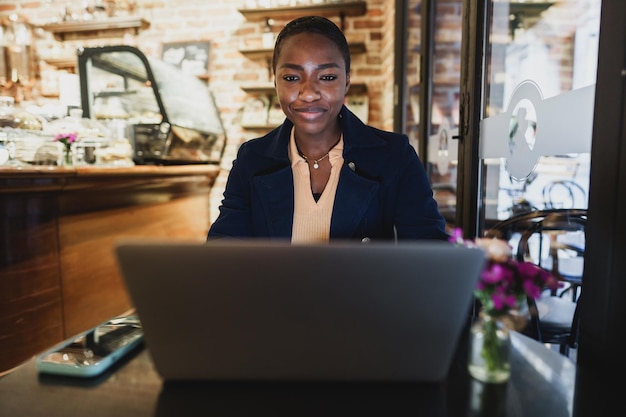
{"x":310,"y":112}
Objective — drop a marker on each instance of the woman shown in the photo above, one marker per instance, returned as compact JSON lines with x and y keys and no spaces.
{"x":323,"y":174}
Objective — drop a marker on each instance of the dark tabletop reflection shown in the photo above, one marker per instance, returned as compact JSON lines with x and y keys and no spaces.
{"x":488,"y":400}
{"x":301,"y":399}
{"x":599,"y":392}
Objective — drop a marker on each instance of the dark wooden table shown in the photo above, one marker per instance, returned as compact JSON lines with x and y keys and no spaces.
{"x":543,"y":383}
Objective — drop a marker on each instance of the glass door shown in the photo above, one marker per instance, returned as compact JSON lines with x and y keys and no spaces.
{"x":528,"y":71}
{"x":539,"y":80}
{"x":506,"y":98}
{"x":532,"y":94}
{"x":432,"y":93}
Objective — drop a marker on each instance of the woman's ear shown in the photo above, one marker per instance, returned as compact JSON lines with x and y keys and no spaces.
{"x":347,"y":84}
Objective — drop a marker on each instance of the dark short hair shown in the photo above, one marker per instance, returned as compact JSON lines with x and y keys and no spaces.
{"x":313,"y":24}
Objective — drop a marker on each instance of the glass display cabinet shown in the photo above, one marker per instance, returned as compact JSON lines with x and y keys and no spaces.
{"x":169,"y":116}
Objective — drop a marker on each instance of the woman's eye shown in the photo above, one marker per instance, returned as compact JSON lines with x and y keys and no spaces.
{"x":328,"y":77}
{"x":290,"y":78}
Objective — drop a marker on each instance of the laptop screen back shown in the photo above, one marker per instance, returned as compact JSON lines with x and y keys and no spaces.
{"x":261,"y":310}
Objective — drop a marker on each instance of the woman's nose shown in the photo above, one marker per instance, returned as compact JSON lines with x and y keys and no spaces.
{"x":309,"y":91}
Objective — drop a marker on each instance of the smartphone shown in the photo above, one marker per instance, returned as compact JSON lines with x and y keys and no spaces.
{"x":92,"y":352}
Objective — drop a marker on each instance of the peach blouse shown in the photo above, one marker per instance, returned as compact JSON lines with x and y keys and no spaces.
{"x":311,"y":219}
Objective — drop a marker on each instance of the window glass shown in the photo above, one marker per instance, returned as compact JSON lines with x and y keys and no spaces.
{"x":536,"y":135}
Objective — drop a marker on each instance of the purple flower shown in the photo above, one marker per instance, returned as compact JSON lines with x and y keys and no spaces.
{"x":493,"y":274}
{"x":531,"y":289}
{"x":502,"y":300}
{"x":456,"y":236}
{"x":505,"y":283}
{"x":66,"y":138}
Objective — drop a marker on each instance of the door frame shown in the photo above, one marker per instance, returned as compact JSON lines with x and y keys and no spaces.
{"x":604,"y":310}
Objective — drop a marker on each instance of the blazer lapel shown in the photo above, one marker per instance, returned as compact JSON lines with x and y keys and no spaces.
{"x":354,"y":194}
{"x":275,"y":192}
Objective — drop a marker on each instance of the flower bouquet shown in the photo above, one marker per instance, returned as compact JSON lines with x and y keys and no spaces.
{"x":67,"y":139}
{"x":502,"y":290}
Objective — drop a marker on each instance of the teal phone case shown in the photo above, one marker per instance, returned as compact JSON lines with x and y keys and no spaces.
{"x":92,"y":352}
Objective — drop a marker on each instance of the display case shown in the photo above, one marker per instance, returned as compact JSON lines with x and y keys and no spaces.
{"x":170,"y":116}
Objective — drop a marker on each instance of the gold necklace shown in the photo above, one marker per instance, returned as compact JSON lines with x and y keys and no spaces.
{"x":316,"y":164}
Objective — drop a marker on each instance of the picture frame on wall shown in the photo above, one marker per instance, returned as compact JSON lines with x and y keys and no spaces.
{"x":191,"y":57}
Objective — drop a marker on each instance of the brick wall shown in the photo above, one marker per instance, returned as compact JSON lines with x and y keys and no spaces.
{"x":228,"y":30}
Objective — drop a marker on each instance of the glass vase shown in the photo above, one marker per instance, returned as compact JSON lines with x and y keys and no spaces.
{"x":68,"y":157}
{"x":490,"y":350}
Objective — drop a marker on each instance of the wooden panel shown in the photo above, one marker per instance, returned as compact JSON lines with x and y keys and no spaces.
{"x":30,"y":283}
{"x":93,"y":289}
{"x":58,"y":226}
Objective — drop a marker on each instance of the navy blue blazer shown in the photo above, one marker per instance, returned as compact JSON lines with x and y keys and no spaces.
{"x":383,"y":190}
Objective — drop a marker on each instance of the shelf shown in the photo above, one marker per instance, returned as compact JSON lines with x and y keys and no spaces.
{"x":259,"y":89}
{"x":341,"y":9}
{"x":522,"y":14}
{"x":62,"y":62}
{"x":258,"y":127}
{"x":111,"y":93}
{"x":531,"y":10}
{"x":85,"y":28}
{"x":258,"y":53}
{"x":268,"y":89}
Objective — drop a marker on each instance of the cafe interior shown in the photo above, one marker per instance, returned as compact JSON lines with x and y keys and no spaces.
{"x":121,"y":119}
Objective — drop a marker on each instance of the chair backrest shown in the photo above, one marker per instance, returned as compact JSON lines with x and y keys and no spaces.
{"x":563,"y":194}
{"x":541,"y":237}
{"x":553,"y":227}
{"x":540,"y":225}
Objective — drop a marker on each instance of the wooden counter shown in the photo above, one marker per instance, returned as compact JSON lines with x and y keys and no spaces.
{"x":58,"y":275}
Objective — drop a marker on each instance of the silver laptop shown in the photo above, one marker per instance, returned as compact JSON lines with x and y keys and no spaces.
{"x":268,"y":310}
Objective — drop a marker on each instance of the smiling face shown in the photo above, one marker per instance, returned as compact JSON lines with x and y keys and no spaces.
{"x":311,"y":82}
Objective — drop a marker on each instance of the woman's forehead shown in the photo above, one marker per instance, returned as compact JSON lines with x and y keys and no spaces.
{"x":310,"y":46}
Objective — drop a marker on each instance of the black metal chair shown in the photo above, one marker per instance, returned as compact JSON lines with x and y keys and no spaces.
{"x":535,"y":237}
{"x":563,"y":194}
